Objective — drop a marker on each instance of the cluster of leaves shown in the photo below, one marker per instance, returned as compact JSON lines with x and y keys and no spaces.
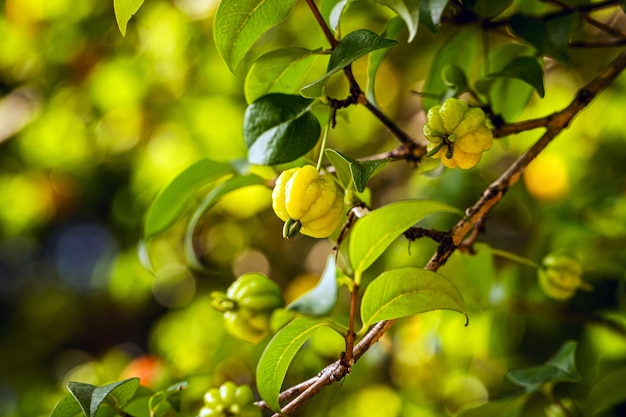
{"x":281,"y":127}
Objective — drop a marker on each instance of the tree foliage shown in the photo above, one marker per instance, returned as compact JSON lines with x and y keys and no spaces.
{"x":138,"y":172}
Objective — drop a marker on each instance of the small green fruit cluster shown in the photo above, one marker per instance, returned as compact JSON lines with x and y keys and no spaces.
{"x":248,"y":305}
{"x":229,"y":400}
{"x":560,"y":276}
{"x":457,"y":133}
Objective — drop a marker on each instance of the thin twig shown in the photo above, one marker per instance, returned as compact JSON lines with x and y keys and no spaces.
{"x":593,"y":22}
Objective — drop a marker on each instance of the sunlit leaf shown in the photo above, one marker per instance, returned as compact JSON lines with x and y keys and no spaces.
{"x":278,"y":354}
{"x":458,"y":50}
{"x":68,"y":406}
{"x":355,"y":45}
{"x":163,"y":401}
{"x":322,"y":298}
{"x":431,"y":12}
{"x":239,"y":23}
{"x":279,"y":128}
{"x":170,"y":203}
{"x":606,"y":392}
{"x":124,"y":10}
{"x":523,"y":68}
{"x":375,"y":232}
{"x":342,"y":166}
{"x":359,"y":171}
{"x":560,"y":367}
{"x":392,"y":31}
{"x":407,"y":291}
{"x":231,"y":184}
{"x":91,"y":397}
{"x":332,"y":10}
{"x":279,"y":71}
{"x":408,"y":11}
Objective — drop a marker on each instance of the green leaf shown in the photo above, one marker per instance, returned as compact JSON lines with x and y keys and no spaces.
{"x":231,"y":184}
{"x":67,"y":407}
{"x":363,"y":171}
{"x":431,"y":12}
{"x":279,"y":128}
{"x":277,"y":357}
{"x":560,"y":367}
{"x":606,"y":392}
{"x":359,"y":171}
{"x":91,"y":397}
{"x":342,"y":166}
{"x":170,"y":203}
{"x":409,"y":12}
{"x":239,"y":23}
{"x":392,"y":31}
{"x":373,"y":233}
{"x":458,"y":50}
{"x":490,"y":8}
{"x":332,"y":10}
{"x":500,"y":90}
{"x":507,"y":407}
{"x":408,"y":291}
{"x":548,"y":37}
{"x":322,"y":298}
{"x":279,"y":71}
{"x":124,"y":10}
{"x":524,"y":68}
{"x":163,"y":401}
{"x":355,"y":45}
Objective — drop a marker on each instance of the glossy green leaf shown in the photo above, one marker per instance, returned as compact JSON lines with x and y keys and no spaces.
{"x":459,"y":50}
{"x":408,"y":291}
{"x":279,"y":128}
{"x":124,"y":10}
{"x":342,"y":166}
{"x":606,"y":392}
{"x":278,"y":354}
{"x":91,"y":397}
{"x":524,"y":68}
{"x":373,"y":233}
{"x":170,"y":203}
{"x":560,"y":367}
{"x":431,"y":12}
{"x":68,"y":406}
{"x":355,"y":45}
{"x":408,"y":11}
{"x":548,"y":37}
{"x":362,"y":171}
{"x":278,"y":71}
{"x":394,"y":27}
{"x":239,"y":23}
{"x":322,"y":298}
{"x":231,"y":184}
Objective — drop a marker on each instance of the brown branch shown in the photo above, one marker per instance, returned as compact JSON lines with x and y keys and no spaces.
{"x":490,"y":197}
{"x":598,"y":43}
{"x":330,"y":37}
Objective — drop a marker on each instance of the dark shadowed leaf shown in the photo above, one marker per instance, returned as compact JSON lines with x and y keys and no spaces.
{"x":548,"y":37}
{"x":524,"y":68}
{"x":560,"y":367}
{"x":606,"y":392}
{"x":431,"y":12}
{"x":279,"y":128}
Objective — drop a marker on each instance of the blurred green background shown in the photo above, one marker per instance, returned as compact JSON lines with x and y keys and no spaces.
{"x":93,"y":125}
